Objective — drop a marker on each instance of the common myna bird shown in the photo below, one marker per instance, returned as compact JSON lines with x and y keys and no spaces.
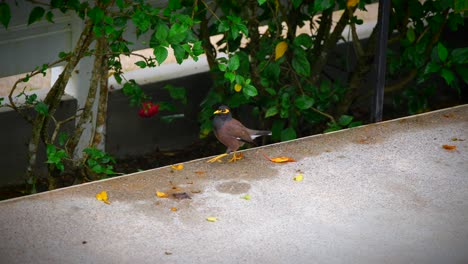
{"x":232,"y":133}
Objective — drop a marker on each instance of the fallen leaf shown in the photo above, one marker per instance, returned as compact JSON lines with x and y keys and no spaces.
{"x":200,"y":172}
{"x":449,"y":115}
{"x":449,"y":147}
{"x":246,"y":197}
{"x":280,"y":49}
{"x":352,"y":3}
{"x":181,"y":196}
{"x":161,"y":195}
{"x":168,"y":253}
{"x":282,"y":159}
{"x":211,"y":219}
{"x":298,"y":177}
{"x":177,"y":167}
{"x":195,"y":191}
{"x":457,"y":139}
{"x":173,"y":209}
{"x":102,"y":196}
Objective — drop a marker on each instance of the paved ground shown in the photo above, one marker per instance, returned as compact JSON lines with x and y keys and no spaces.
{"x":385,"y":193}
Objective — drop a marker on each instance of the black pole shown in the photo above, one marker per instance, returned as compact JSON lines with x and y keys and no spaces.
{"x":381,"y":61}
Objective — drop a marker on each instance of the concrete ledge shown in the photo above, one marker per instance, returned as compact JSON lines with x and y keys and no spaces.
{"x":383,"y":193}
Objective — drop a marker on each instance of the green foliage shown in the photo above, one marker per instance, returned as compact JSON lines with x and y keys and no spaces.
{"x":134,"y":92}
{"x":425,"y":52}
{"x":55,"y":156}
{"x":99,"y":162}
{"x":5,"y":14}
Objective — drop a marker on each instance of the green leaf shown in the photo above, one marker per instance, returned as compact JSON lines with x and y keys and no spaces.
{"x":410,"y":35}
{"x":141,"y":64}
{"x":161,"y":31}
{"x":461,"y":5}
{"x":261,"y":2}
{"x":178,"y":93}
{"x":459,"y":56}
{"x":448,"y":75}
{"x":296,"y":3}
{"x":179,"y":53}
{"x":36,"y":14}
{"x":303,"y":40}
{"x":177,"y":33}
{"x":49,"y":16}
{"x":233,"y":63}
{"x":161,"y":54}
{"x":288,"y":134}
{"x":463,"y":72}
{"x":323,"y":4}
{"x":222,"y":67}
{"x":62,"y":138}
{"x":5,"y":14}
{"x":304,"y":102}
{"x":96,"y":14}
{"x":41,"y":108}
{"x":141,"y":20}
{"x":1,"y":99}
{"x":272,"y":111}
{"x":249,"y":90}
{"x":300,"y":63}
{"x":345,"y":120}
{"x":442,"y":51}
{"x":174,"y":4}
{"x":431,"y":67}
{"x":230,"y":76}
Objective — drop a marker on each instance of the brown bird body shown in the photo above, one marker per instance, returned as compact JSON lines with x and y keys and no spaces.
{"x":232,"y":133}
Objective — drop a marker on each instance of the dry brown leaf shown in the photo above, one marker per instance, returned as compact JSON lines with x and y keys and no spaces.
{"x":200,"y":172}
{"x":449,"y":147}
{"x":182,"y":195}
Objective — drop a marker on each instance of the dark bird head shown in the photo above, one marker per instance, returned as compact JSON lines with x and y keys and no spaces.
{"x":223,"y":112}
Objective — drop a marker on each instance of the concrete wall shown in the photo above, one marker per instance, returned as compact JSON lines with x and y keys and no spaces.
{"x":14,"y":139}
{"x":129,"y":134}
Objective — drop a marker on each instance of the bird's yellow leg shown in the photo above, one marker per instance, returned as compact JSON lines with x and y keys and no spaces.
{"x":217,"y":157}
{"x":236,"y":157}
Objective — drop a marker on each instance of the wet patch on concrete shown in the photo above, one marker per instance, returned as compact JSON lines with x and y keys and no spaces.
{"x":233,"y":187}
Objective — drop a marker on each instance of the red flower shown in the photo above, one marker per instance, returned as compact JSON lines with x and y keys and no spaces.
{"x":148,"y":109}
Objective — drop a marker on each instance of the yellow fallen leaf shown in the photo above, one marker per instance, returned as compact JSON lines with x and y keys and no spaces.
{"x":237,"y":87}
{"x":298,"y":177}
{"x":282,"y":159}
{"x":161,"y":195}
{"x":102,"y":196}
{"x":352,"y":3}
{"x":246,"y":197}
{"x":177,"y":167}
{"x":280,"y":49}
{"x":211,"y":219}
{"x":173,"y":209}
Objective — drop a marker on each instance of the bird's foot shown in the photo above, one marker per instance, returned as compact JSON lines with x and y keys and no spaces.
{"x":217,"y":158}
{"x":236,"y":157}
